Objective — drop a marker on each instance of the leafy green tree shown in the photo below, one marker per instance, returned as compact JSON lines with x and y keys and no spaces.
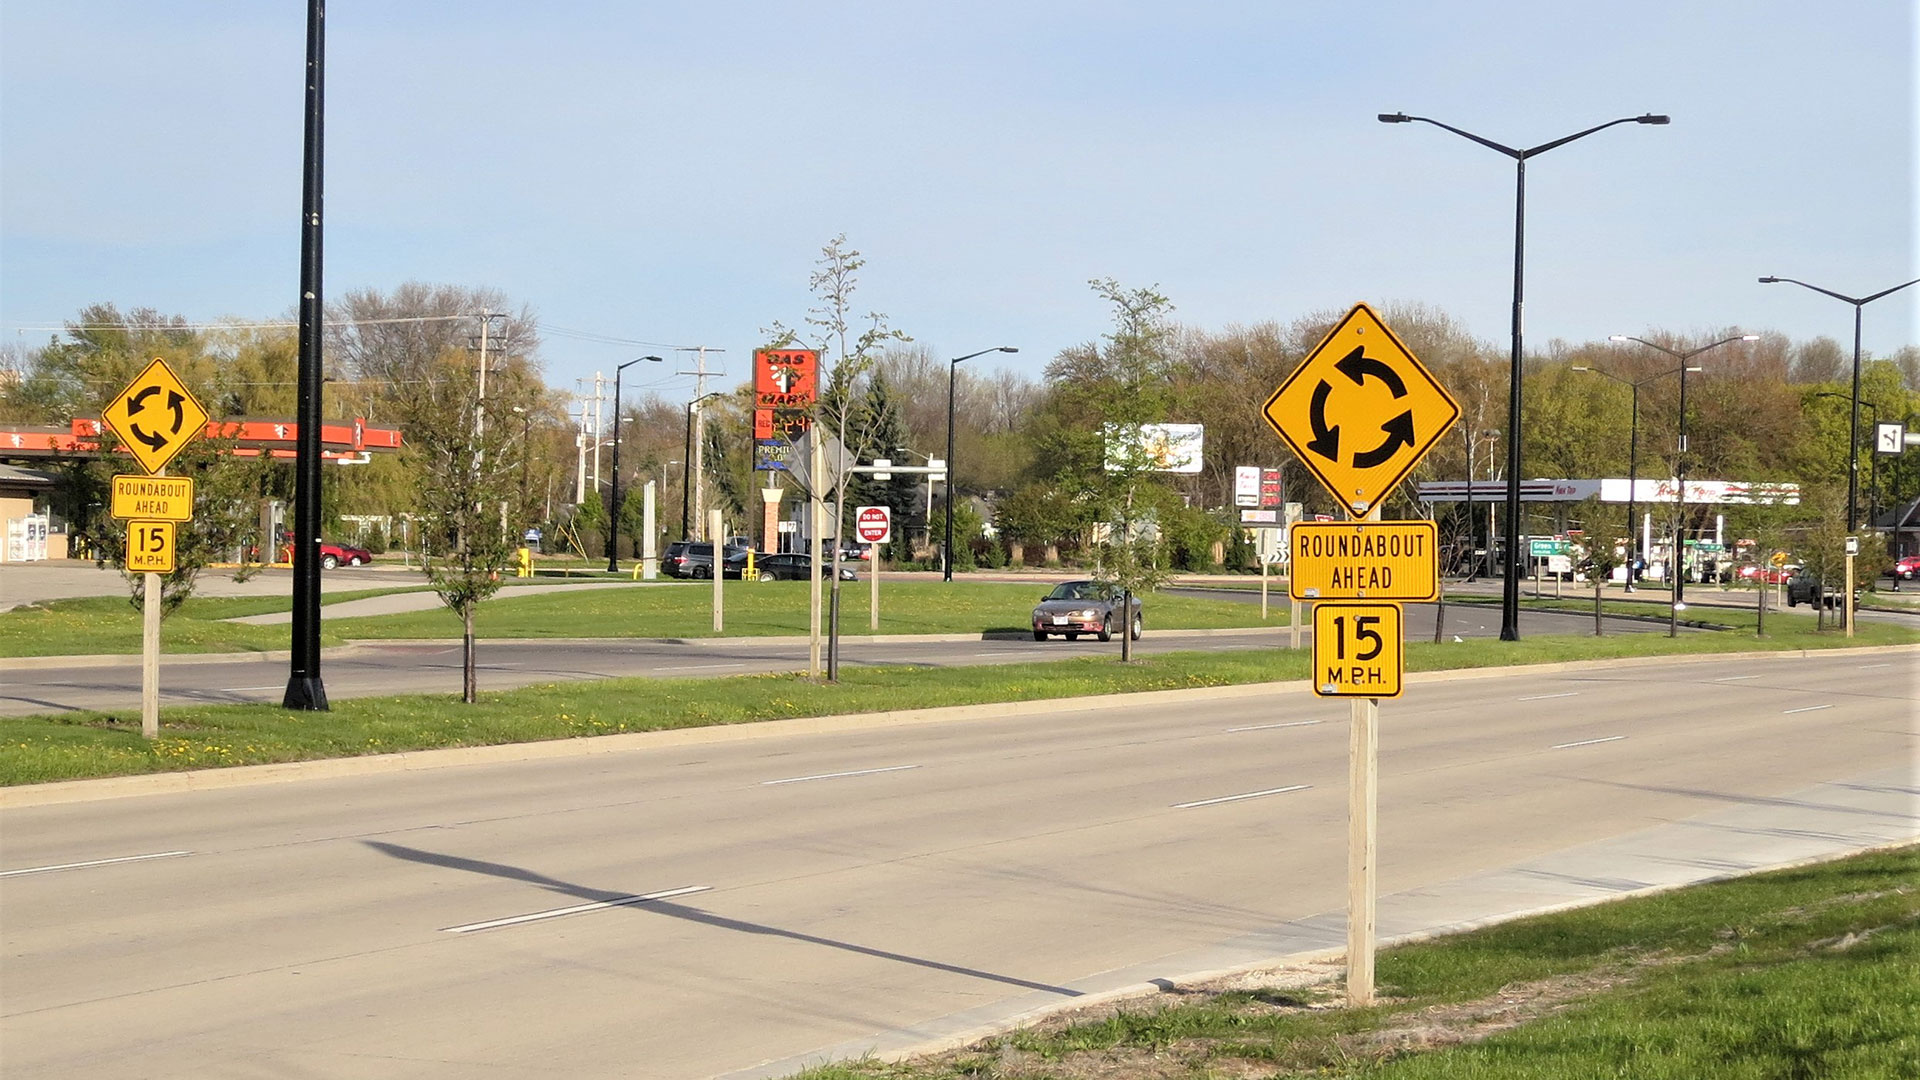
{"x":467,"y":477}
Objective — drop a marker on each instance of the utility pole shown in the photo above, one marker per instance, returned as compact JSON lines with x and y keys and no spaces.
{"x":597,"y":399}
{"x":697,"y":456}
{"x":580,"y":467}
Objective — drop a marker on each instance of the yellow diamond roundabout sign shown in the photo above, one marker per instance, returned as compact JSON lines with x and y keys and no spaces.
{"x":1360,"y":411}
{"x":156,"y":416}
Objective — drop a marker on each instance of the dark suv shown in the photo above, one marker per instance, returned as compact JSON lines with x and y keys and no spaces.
{"x":690,"y":560}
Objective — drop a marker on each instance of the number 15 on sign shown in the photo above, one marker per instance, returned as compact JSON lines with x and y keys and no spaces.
{"x":1357,"y":650}
{"x":150,"y":547}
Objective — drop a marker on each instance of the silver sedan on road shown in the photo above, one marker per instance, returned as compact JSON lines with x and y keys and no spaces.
{"x":1082,"y":607}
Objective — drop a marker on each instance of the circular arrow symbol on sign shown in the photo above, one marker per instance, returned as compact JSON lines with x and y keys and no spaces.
{"x":138,"y":403}
{"x":1357,"y":365}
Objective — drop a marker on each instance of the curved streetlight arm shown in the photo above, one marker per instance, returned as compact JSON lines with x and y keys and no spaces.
{"x":1403,"y":118}
{"x":1856,"y":301}
{"x":1645,"y":118}
{"x":1683,"y":357}
{"x":983,"y":352}
{"x":1522,"y":155}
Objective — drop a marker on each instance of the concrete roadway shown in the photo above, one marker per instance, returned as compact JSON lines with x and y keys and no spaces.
{"x":55,"y":684}
{"x":830,"y":891}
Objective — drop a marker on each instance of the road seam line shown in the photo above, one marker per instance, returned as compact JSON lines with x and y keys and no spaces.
{"x":94,"y":862}
{"x":555,"y":913}
{"x":836,"y":775}
{"x":1237,"y":798}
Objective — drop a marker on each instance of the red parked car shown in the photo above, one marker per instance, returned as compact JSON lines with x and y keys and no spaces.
{"x":1758,"y":574}
{"x":1906,"y":568}
{"x":332,"y":555}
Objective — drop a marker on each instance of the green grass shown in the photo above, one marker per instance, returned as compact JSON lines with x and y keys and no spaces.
{"x":1807,"y":972}
{"x":91,"y":744}
{"x":109,"y":624}
{"x":679,"y":610}
{"x":780,"y":607}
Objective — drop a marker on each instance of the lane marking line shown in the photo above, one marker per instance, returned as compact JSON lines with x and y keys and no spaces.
{"x":556,"y":913}
{"x":1872,"y":667}
{"x":1543,"y":697}
{"x":836,"y":775}
{"x":1587,"y":742}
{"x":1270,"y":727}
{"x":1736,"y":678}
{"x":1237,"y":798}
{"x":94,"y":862}
{"x":1810,"y":708}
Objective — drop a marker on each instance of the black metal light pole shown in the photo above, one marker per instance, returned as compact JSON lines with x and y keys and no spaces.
{"x":305,"y":690}
{"x":1633,"y":461}
{"x":526,"y":440}
{"x":1680,"y":472}
{"x":613,"y":498}
{"x":1873,"y":460}
{"x":1510,"y":592}
{"x":953,"y":368}
{"x":1853,"y":425}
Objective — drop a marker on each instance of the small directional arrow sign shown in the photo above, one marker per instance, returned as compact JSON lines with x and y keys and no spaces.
{"x":156,"y":416}
{"x":1360,"y":411}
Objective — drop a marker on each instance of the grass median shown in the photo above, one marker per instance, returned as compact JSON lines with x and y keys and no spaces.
{"x":105,"y":625}
{"x":1807,"y":972}
{"x":79,"y":745}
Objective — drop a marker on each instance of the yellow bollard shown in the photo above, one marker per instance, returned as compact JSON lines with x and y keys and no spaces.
{"x":523,"y":562}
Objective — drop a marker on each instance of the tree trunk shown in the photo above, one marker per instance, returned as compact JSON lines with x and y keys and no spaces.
{"x":468,"y":690}
{"x":1599,"y":585}
{"x":1440,"y":614}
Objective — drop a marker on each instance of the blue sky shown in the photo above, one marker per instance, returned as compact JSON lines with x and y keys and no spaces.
{"x":667,"y":173}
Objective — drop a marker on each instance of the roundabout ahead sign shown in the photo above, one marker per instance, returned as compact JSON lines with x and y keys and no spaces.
{"x":1360,"y":411}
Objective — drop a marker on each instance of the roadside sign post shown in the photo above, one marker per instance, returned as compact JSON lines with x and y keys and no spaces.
{"x":719,"y":565}
{"x":1853,"y":549}
{"x":156,"y":418}
{"x":1360,"y":412}
{"x":873,"y":526}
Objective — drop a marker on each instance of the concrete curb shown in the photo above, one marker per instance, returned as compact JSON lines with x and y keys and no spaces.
{"x":114,"y":787}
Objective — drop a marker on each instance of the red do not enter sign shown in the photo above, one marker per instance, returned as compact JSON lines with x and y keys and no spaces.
{"x":873,"y":524}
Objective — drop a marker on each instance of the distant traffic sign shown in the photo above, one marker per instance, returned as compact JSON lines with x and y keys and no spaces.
{"x":1357,"y":650}
{"x":1360,"y":411}
{"x":1364,"y":560}
{"x":150,"y":547}
{"x":156,"y":416}
{"x":153,"y":498}
{"x":873,"y":524}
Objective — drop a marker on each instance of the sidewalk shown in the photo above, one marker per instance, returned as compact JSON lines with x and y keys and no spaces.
{"x":397,"y":603}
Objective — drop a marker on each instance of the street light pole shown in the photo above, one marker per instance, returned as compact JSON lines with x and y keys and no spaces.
{"x":613,"y":508}
{"x":953,"y":368}
{"x":1873,"y":461}
{"x":1633,"y":460}
{"x":526,"y":439}
{"x":1853,"y":425}
{"x":305,"y":689}
{"x":1510,"y":591}
{"x":691,"y":467}
{"x":1680,"y":472}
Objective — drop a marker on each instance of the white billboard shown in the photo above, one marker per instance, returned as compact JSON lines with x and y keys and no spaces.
{"x":1171,"y":448}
